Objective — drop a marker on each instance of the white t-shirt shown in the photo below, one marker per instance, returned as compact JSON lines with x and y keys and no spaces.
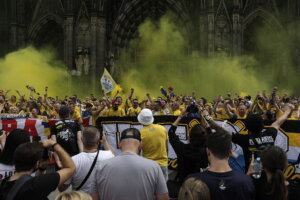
{"x":6,"y":171}
{"x":83,"y":162}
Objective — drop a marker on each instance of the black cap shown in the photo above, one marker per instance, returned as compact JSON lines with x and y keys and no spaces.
{"x":131,"y":133}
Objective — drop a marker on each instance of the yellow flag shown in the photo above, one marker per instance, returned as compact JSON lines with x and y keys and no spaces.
{"x":107,"y":82}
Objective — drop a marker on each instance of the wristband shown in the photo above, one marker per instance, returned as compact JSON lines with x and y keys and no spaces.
{"x":53,"y":145}
{"x":207,"y":118}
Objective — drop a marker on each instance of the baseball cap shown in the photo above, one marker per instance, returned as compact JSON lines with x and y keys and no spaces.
{"x":132,"y":133}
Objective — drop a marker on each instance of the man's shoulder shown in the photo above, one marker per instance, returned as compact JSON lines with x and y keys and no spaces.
{"x":159,"y":127}
{"x":234,"y":175}
{"x":269,"y":131}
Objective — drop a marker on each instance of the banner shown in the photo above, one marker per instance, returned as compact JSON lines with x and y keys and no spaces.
{"x":34,"y":127}
{"x":288,"y":138}
{"x":107,"y":82}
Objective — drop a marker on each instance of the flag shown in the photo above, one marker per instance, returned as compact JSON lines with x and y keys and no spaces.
{"x":107,"y":82}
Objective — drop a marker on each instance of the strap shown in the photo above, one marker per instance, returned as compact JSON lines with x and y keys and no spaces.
{"x":17,"y":186}
{"x":89,"y":173}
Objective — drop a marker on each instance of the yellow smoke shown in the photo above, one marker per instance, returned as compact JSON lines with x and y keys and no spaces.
{"x":35,"y":68}
{"x":160,"y":55}
{"x":162,"y":59}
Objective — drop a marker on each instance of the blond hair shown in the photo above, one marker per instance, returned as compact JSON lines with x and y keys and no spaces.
{"x":73,"y":195}
{"x":194,"y":189}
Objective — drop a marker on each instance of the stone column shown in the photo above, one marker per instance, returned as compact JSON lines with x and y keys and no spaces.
{"x":69,"y":42}
{"x":94,"y":53}
{"x":13,"y":42}
{"x":101,"y":46}
{"x":236,"y":34}
{"x":202,"y":31}
{"x":210,"y":34}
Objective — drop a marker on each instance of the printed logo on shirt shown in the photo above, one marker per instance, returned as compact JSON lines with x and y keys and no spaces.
{"x":222,"y":185}
{"x":65,"y":134}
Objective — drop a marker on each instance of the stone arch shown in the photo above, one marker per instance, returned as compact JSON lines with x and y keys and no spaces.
{"x":48,"y":31}
{"x":133,"y":13}
{"x":257,"y":19}
{"x":270,"y":18}
{"x":38,"y":25}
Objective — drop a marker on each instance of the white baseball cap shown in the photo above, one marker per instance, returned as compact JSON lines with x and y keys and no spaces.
{"x":145,"y":117}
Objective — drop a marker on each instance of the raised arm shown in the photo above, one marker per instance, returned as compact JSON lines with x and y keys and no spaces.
{"x":288,"y":108}
{"x":68,"y":166}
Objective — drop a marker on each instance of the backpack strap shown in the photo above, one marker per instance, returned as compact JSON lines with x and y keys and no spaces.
{"x":89,"y":173}
{"x":17,"y":186}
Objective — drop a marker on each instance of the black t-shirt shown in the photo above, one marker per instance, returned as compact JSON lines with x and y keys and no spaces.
{"x":37,"y":188}
{"x":190,"y":158}
{"x":227,"y":185}
{"x":263,"y":188}
{"x":66,"y":135}
{"x":255,"y":142}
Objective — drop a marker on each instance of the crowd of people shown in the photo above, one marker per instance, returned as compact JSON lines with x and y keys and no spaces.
{"x":85,"y":161}
{"x":222,"y":107}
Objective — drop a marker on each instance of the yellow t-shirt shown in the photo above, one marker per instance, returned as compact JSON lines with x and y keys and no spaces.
{"x":118,"y":113}
{"x":76,"y":115}
{"x":176,"y":112}
{"x":154,"y":139}
{"x":158,"y":113}
{"x":294,"y":115}
{"x":223,"y":114}
{"x":133,"y":111}
{"x":55,"y":114}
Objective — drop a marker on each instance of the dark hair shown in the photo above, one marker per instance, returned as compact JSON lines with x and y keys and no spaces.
{"x":198,"y":135}
{"x":254,"y":123}
{"x":88,"y":105}
{"x":13,"y":140}
{"x":26,"y":156}
{"x":219,"y":144}
{"x":64,"y":112}
{"x":90,"y":136}
{"x":274,"y":160}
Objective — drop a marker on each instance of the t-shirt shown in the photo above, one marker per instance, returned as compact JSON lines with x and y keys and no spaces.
{"x":86,"y":113}
{"x":116,"y":113}
{"x":177,"y":112}
{"x":37,"y":188}
{"x":190,"y":158}
{"x":227,"y":185}
{"x":76,"y":114}
{"x":154,"y":139}
{"x":263,"y":188}
{"x":83,"y":163}
{"x":255,"y":142}
{"x":6,"y":171}
{"x":133,"y":111}
{"x":129,"y":176}
{"x":66,"y":135}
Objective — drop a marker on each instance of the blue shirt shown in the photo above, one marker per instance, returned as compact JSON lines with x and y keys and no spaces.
{"x":227,"y":185}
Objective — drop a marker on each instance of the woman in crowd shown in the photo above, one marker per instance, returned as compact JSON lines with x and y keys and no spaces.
{"x":13,"y":140}
{"x":194,"y":189}
{"x":272,"y":184}
{"x":73,"y":195}
{"x":192,"y":156}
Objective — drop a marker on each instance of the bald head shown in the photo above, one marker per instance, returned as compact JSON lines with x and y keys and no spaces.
{"x":130,"y":145}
